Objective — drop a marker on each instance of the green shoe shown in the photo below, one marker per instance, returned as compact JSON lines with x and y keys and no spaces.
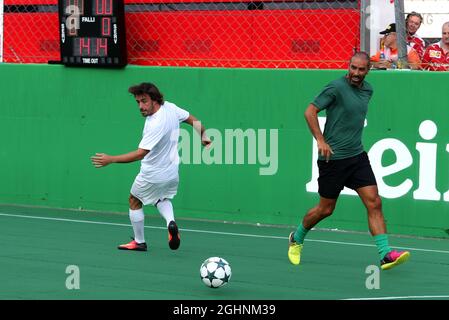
{"x":294,"y":250}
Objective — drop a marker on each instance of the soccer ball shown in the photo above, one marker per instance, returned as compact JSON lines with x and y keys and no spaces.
{"x":215,"y":272}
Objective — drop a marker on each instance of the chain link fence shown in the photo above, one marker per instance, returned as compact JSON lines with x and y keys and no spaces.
{"x":204,"y":33}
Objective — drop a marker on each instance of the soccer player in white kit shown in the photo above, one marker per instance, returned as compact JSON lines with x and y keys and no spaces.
{"x":157,"y":181}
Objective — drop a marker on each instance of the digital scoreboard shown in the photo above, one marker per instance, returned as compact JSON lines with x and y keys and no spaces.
{"x":92,"y":33}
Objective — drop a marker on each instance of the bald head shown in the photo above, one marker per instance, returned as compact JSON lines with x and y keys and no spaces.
{"x":358,"y":68}
{"x":445,"y":35}
{"x":445,"y":25}
{"x":361,"y":55}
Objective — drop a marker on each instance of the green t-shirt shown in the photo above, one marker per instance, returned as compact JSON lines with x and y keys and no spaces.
{"x":346,"y":107}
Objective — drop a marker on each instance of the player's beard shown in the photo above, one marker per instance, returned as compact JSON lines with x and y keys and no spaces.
{"x":355,"y":80}
{"x":148,"y":112}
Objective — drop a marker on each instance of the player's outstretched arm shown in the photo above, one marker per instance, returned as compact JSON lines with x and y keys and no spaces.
{"x":197,"y":125}
{"x":102,"y":159}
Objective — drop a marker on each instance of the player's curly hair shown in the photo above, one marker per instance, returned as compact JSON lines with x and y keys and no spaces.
{"x":147,"y":88}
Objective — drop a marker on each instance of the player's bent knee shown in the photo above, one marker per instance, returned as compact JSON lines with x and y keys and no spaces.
{"x":134,"y":203}
{"x":326,"y":211}
{"x":375,"y":204}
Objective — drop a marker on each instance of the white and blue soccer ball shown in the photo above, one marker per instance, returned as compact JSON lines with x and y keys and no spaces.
{"x":215,"y":272}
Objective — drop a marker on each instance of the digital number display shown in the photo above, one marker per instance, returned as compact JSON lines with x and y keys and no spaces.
{"x":92,"y":33}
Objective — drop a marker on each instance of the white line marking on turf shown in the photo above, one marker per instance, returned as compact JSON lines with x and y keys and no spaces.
{"x":212,"y":232}
{"x":395,"y":298}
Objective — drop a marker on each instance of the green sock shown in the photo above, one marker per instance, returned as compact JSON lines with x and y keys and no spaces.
{"x":382,"y":244}
{"x":300,"y":234}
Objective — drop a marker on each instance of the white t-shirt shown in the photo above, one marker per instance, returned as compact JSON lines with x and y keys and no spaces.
{"x":160,"y":136}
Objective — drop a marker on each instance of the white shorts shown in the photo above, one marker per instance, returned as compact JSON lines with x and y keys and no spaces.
{"x":151,"y":193}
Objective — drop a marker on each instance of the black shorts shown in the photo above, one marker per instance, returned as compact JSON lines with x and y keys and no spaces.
{"x":354,"y":173}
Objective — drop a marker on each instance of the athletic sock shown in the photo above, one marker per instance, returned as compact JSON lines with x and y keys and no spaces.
{"x":300,"y":234}
{"x":382,"y":244}
{"x":138,"y":221}
{"x":165,"y":208}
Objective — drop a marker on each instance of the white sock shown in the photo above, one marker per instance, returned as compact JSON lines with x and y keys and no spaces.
{"x":166,"y":210}
{"x":138,"y":221}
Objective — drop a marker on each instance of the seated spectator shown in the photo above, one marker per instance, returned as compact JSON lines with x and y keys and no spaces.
{"x":387,"y":56}
{"x":412,"y":24}
{"x":436,"y":56}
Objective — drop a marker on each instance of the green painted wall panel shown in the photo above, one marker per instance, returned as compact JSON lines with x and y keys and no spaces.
{"x":54,"y":118}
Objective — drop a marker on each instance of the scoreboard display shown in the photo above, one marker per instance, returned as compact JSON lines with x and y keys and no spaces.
{"x":92,"y":33}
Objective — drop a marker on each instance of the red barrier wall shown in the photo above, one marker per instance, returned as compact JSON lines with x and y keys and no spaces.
{"x":55,"y":2}
{"x":276,"y":38}
{"x":30,"y":37}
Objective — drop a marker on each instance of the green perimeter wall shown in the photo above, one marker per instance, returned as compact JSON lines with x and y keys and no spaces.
{"x":54,"y":118}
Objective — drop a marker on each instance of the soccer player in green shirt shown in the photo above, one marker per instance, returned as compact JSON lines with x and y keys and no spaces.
{"x":342,"y":160}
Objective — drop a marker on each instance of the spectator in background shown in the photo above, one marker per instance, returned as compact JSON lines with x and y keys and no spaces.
{"x":436,"y":56}
{"x":412,"y":23}
{"x":387,"y":56}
